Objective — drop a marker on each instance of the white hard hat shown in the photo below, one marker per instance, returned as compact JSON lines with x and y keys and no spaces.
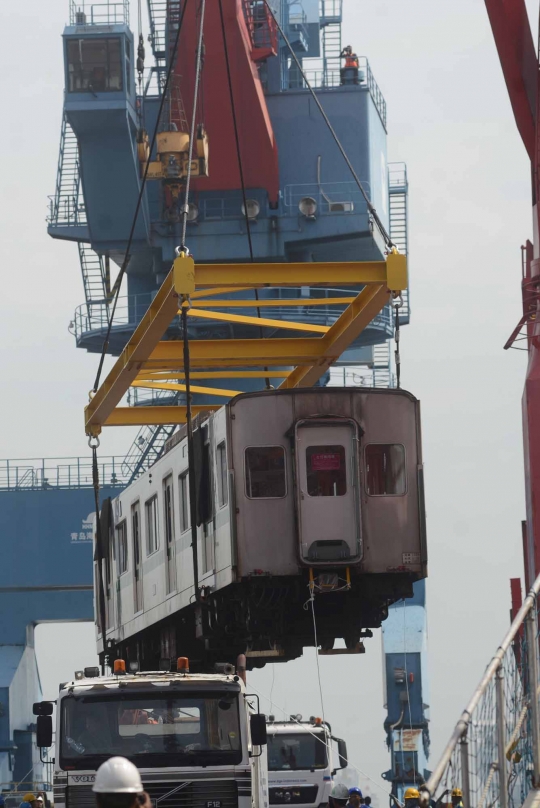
{"x":340,"y":792}
{"x":118,"y":775}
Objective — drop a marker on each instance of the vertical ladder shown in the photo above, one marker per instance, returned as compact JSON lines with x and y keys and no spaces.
{"x":330,"y":15}
{"x":382,"y":376}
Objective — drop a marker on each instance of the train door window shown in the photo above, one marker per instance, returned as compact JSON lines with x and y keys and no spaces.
{"x":385,"y":469}
{"x":121,"y":543}
{"x":168,"y":514}
{"x":221,"y":463}
{"x":183,"y":486}
{"x":265,"y":472}
{"x":94,"y":65}
{"x":326,"y":471}
{"x":152,"y":525}
{"x":137,"y":557}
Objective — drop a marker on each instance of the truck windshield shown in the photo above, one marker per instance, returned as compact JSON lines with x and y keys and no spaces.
{"x":299,"y":750}
{"x":152,"y":729}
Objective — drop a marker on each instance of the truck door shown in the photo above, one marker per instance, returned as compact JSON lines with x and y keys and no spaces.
{"x":327,"y":492}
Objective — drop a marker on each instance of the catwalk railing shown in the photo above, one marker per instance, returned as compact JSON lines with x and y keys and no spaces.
{"x":493,"y":755}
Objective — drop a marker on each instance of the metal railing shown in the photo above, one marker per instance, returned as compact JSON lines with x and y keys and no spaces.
{"x":332,"y":198}
{"x":85,"y":13}
{"x":58,"y":472}
{"x":132,"y":308}
{"x":493,"y":755}
{"x":320,"y":79}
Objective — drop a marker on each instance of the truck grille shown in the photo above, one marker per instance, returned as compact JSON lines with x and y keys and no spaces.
{"x":293,"y":795}
{"x":186,"y":794}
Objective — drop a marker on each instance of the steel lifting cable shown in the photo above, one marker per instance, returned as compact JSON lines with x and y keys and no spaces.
{"x":185,"y":210}
{"x":240,"y":164}
{"x":184,"y":312}
{"x":388,"y":241}
{"x":118,"y":282}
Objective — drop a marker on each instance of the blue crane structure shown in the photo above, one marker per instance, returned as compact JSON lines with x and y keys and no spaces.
{"x":315,"y":211}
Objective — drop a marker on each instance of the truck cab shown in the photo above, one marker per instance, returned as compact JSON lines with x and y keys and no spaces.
{"x":303,"y":757}
{"x":197,"y":740}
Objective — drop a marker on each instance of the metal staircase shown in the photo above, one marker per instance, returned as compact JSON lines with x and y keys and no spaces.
{"x":398,"y":191}
{"x":66,"y":207}
{"x":157,"y":13}
{"x":149,"y":442}
{"x":95,"y":281}
{"x":330,"y":13}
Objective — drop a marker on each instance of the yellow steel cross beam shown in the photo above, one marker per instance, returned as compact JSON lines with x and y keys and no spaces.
{"x":148,"y":362}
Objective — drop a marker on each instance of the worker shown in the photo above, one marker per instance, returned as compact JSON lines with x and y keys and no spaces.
{"x":339,"y":796}
{"x":349,"y":73}
{"x":412,"y":796}
{"x":457,"y":798}
{"x":367,"y":801}
{"x":31,"y":799}
{"x":351,"y":59}
{"x":118,"y":785}
{"x":355,"y":797}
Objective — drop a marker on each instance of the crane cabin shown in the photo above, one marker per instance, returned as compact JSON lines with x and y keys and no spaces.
{"x":299,"y":493}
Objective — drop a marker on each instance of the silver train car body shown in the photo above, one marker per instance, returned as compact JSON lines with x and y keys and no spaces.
{"x":317,"y":490}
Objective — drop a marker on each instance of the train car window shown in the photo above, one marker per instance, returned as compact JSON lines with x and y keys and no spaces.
{"x":265,"y":472}
{"x":94,"y":65}
{"x":221,"y":462}
{"x":152,"y":525}
{"x":122,"y":552}
{"x":385,"y":470}
{"x":183,"y":486}
{"x":326,"y":471}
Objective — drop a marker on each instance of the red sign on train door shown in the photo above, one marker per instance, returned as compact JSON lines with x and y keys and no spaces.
{"x":325,"y":461}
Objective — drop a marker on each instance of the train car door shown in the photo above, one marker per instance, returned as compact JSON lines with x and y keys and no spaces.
{"x":328,"y":492}
{"x":170,"y":556}
{"x":137,"y":557}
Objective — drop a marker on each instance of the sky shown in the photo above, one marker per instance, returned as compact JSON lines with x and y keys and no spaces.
{"x":450,"y":120}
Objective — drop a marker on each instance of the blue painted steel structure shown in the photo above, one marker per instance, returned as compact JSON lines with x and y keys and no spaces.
{"x":404,"y":636}
{"x":46,"y":525}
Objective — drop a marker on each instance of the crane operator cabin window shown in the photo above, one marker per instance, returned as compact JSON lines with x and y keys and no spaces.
{"x":94,"y":65}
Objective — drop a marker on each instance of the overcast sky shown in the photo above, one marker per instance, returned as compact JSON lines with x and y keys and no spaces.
{"x":449,"y":118}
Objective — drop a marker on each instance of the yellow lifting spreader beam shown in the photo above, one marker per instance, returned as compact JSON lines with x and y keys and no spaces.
{"x":147,"y":361}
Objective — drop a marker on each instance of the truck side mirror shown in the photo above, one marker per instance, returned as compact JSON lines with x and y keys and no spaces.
{"x":44,"y":731}
{"x":258,"y":729}
{"x":43,"y":708}
{"x":342,"y":752}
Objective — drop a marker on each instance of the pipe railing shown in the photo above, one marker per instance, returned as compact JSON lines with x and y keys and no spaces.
{"x":493,"y":754}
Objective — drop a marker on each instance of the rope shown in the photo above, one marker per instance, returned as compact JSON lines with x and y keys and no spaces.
{"x":239,"y":158}
{"x":193,"y":122}
{"x":118,"y":282}
{"x":371,"y":209}
{"x":312,"y":599}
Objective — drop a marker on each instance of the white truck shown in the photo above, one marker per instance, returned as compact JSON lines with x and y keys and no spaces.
{"x":197,"y":739}
{"x":303,"y":757}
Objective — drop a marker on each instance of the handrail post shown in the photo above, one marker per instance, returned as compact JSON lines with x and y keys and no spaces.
{"x":465,"y":781}
{"x":532,"y":666}
{"x":503,"y":780}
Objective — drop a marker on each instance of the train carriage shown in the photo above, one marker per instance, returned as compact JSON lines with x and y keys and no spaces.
{"x":300,"y":493}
